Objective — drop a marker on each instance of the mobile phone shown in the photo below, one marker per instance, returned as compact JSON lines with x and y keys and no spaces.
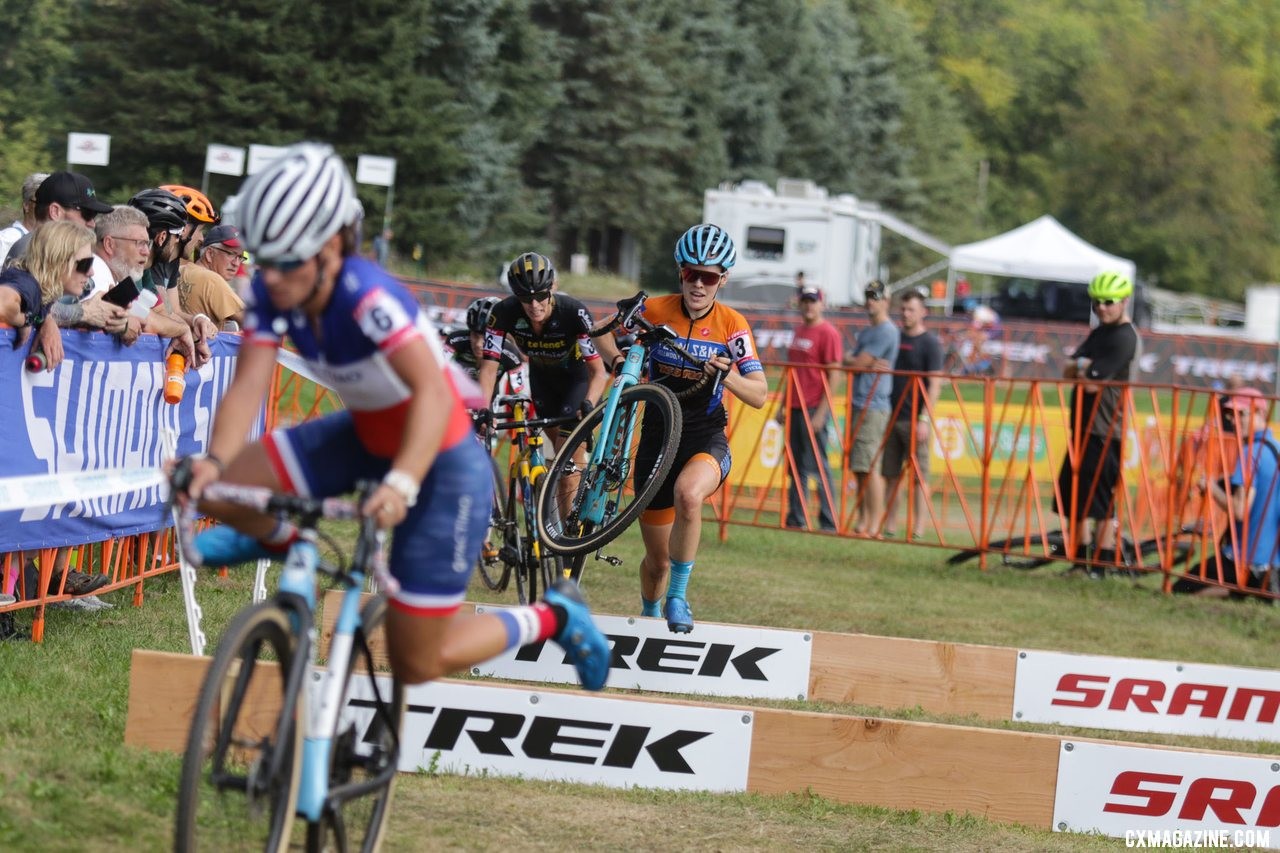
{"x":122,"y":294}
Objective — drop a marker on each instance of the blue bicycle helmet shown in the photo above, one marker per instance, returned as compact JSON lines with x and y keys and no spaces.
{"x":706,"y":245}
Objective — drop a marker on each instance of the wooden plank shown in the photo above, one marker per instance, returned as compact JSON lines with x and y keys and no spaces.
{"x":163,"y":688}
{"x":1003,"y":776}
{"x":891,"y":672}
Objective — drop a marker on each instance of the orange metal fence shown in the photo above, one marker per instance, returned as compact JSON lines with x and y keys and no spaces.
{"x":994,"y":448}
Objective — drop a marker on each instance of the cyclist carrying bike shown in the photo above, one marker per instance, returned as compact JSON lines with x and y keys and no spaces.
{"x":467,"y":345}
{"x":671,"y":525}
{"x":566,"y":374}
{"x":404,"y":424}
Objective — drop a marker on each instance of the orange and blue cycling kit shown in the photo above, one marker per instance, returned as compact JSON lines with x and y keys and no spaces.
{"x":722,"y":331}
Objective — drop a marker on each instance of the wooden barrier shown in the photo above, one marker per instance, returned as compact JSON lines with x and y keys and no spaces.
{"x":1003,"y":776}
{"x":863,"y":669}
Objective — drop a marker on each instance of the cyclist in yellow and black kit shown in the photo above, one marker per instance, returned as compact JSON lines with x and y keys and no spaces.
{"x":566,"y":374}
{"x":671,"y":525}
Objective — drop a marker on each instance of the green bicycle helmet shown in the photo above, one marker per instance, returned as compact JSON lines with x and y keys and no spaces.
{"x":1110,"y":285}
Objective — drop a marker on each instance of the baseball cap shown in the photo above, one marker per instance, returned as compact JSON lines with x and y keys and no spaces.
{"x":70,"y":189}
{"x":874,"y":289}
{"x":223,"y":235}
{"x":1246,"y":398}
{"x":810,"y":294}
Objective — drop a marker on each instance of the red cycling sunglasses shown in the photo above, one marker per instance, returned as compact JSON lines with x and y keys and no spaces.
{"x":708,"y":278}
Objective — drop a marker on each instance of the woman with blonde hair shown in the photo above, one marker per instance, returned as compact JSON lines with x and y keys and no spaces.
{"x":43,"y":289}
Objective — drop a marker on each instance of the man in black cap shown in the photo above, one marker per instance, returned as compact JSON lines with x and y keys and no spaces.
{"x":62,"y":195}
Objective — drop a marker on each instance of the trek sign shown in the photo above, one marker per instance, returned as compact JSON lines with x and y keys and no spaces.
{"x":470,"y":728}
{"x":715,"y":660}
{"x":1135,"y":695}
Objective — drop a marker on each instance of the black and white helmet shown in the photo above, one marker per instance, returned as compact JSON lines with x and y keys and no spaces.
{"x":287,"y":211}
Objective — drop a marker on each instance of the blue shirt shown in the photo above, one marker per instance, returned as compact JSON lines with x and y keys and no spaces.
{"x":871,"y":389}
{"x":1258,"y":536}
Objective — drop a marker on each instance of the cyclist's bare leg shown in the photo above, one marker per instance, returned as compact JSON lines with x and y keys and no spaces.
{"x":697,"y":481}
{"x":656,"y":562}
{"x":251,"y":467}
{"x":568,"y":485}
{"x":424,"y":648}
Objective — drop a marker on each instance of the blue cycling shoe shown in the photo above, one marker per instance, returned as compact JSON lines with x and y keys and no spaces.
{"x":588,"y":648}
{"x":679,"y":616}
{"x":226,"y":546}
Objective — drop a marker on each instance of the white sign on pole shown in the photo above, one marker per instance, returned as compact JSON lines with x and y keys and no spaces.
{"x":260,"y":156}
{"x":378,"y":171}
{"x":89,"y":149}
{"x":224,"y":160}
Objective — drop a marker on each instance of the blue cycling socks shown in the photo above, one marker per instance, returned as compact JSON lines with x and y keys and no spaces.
{"x":649,"y":608}
{"x":680,"y":571}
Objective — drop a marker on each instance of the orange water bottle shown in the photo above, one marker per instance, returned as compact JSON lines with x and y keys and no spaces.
{"x":175,"y":382}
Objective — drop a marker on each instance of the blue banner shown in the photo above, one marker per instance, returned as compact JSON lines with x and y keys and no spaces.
{"x":102,"y":409}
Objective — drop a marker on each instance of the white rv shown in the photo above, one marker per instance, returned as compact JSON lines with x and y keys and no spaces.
{"x":835,"y":242}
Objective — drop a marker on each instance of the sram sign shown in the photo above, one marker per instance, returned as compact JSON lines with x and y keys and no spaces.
{"x":715,"y":660}
{"x":1126,"y":789}
{"x":1147,"y":696}
{"x":465,"y":728}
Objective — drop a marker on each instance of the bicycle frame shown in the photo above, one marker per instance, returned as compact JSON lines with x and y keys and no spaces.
{"x":595,"y":502}
{"x":321,"y":694}
{"x":526,"y":469}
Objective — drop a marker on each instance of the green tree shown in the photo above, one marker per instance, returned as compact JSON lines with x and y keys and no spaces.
{"x":35,"y":55}
{"x":1169,"y":160}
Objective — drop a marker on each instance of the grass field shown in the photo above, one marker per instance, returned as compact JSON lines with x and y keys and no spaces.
{"x":68,"y":783}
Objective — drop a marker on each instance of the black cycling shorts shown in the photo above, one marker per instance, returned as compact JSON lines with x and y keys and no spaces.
{"x":714,"y":445}
{"x":556,"y":393}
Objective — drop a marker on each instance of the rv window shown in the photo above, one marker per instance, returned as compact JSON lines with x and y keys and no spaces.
{"x":765,"y":244}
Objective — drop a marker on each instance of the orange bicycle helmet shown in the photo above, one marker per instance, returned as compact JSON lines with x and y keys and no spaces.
{"x":198,"y":205}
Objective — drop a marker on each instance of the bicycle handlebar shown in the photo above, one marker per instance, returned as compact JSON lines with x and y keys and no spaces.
{"x":535,"y":423}
{"x":628,"y":317}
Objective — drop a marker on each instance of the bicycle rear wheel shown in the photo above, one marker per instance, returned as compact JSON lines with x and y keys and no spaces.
{"x":494,"y":571}
{"x":239,"y":783}
{"x":567,"y":527}
{"x":366,"y":750}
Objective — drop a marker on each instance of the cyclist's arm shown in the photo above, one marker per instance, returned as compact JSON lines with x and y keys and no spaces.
{"x":751,"y":388}
{"x":426,"y":419}
{"x":607,"y":345}
{"x":487,"y":378}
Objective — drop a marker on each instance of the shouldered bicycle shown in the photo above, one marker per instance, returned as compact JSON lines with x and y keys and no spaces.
{"x":514,"y":525}
{"x":272,"y":738}
{"x":620,"y":476}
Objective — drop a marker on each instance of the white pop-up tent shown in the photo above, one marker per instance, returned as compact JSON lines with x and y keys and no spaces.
{"x":1041,"y":249}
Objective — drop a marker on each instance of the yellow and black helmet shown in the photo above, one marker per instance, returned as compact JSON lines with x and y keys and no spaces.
{"x":529,"y":274}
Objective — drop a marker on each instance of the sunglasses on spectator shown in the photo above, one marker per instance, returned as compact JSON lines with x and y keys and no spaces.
{"x":1097,"y":302}
{"x":280,"y":266}
{"x":84,"y":265}
{"x":230,"y":253}
{"x":708,"y":278}
{"x":87,"y":215}
{"x":872,"y":296}
{"x":540,"y":296}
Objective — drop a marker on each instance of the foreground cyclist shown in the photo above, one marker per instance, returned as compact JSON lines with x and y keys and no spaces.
{"x":404,"y":424}
{"x":671,"y":525}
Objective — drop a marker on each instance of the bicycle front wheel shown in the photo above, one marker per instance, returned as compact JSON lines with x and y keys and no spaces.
{"x":585,"y":505}
{"x":366,"y":750}
{"x":239,"y":782}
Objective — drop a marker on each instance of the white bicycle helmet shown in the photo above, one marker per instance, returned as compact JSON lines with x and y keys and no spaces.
{"x":289,"y":209}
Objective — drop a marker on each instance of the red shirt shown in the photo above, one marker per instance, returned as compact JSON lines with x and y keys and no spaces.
{"x":818,"y":345}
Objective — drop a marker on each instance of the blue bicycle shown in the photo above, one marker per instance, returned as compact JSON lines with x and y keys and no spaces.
{"x":620,"y":474}
{"x":269,"y":739}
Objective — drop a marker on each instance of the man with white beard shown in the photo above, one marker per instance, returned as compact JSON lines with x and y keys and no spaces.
{"x":121,"y":251}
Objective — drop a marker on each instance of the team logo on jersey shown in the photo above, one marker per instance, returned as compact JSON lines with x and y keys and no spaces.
{"x":705,"y":332}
